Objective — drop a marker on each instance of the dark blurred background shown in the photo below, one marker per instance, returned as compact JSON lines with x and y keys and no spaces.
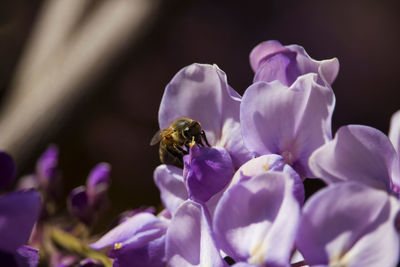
{"x":117,"y":120}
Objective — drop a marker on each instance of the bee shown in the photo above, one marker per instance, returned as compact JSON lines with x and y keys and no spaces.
{"x":175,"y":140}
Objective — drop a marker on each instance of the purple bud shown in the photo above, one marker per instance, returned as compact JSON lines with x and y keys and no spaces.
{"x":98,"y":183}
{"x":47,"y":171}
{"x":7,"y":170}
{"x":78,"y":205}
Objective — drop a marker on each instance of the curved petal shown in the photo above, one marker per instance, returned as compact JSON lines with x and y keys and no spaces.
{"x":8,"y":170}
{"x":18,"y":213}
{"x":190,"y":241}
{"x":292,"y":121}
{"x":256,"y":220}
{"x":357,"y":153}
{"x":135,"y":232}
{"x":327,"y":69}
{"x":201,"y":92}
{"x":169,"y":181}
{"x":150,"y":255}
{"x":281,"y":67}
{"x":394,"y":130}
{"x":207,"y":171}
{"x":358,"y":230}
{"x":263,"y":50}
{"x":98,"y":183}
{"x":269,"y":163}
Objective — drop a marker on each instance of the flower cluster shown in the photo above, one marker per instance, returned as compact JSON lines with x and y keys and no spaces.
{"x":240,"y":201}
{"x":237,"y":199}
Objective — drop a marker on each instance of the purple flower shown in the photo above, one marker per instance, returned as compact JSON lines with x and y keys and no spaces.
{"x":256,"y":219}
{"x":190,"y":240}
{"x":272,"y":61}
{"x":87,"y":202}
{"x":268,"y":163}
{"x":201,"y":92}
{"x":357,"y":153}
{"x":138,"y":241}
{"x":350,"y":224}
{"x":288,"y":121}
{"x":206,"y":172}
{"x":18,"y":213}
{"x":47,"y":177}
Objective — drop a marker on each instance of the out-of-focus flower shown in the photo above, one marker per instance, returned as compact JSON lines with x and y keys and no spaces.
{"x":288,"y":121}
{"x":18,"y":213}
{"x":86,"y":203}
{"x":256,"y":220}
{"x":350,"y":224}
{"x":358,"y":153}
{"x":272,"y":61}
{"x":138,"y":241}
{"x":47,"y":177}
{"x":201,"y":92}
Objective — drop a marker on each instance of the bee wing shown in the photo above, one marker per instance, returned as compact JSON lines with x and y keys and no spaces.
{"x":156,"y":138}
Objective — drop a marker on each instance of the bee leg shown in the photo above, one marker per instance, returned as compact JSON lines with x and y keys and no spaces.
{"x":180,"y":150}
{"x":203,"y":135}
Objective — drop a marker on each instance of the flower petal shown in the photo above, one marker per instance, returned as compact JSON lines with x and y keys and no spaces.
{"x":357,"y":153}
{"x":18,"y":213}
{"x":136,"y":231}
{"x":207,"y":171}
{"x":190,"y":241}
{"x":201,"y":92}
{"x":263,"y":50}
{"x":292,"y":122}
{"x":358,"y":230}
{"x":256,"y":220}
{"x":268,"y":163}
{"x":394,"y":130}
{"x":169,"y":181}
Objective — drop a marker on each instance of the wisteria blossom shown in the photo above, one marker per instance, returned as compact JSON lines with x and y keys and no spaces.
{"x":358,"y":153}
{"x":201,"y":92}
{"x":238,"y":199}
{"x":271,"y":61}
{"x":350,"y":224}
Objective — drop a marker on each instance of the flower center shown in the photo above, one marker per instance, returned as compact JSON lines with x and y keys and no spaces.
{"x":288,"y":157}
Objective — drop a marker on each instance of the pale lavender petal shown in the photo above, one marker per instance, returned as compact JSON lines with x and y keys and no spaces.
{"x":256,"y":220}
{"x":206,"y":172}
{"x":18,"y":214}
{"x":394,"y":130}
{"x":190,"y":240}
{"x":281,"y":67}
{"x":169,"y":181}
{"x":201,"y":92}
{"x":136,"y":231}
{"x":349,"y":224}
{"x":271,"y":162}
{"x":291,"y":122}
{"x":262,"y":51}
{"x":357,"y":153}
{"x":327,"y":69}
{"x":7,"y":170}
{"x":150,"y":255}
{"x":243,"y":264}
